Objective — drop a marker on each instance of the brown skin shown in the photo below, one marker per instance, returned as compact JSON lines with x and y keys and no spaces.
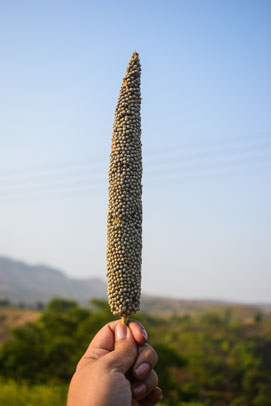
{"x":116,"y":369}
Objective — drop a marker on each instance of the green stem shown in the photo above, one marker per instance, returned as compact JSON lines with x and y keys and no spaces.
{"x":124,"y":320}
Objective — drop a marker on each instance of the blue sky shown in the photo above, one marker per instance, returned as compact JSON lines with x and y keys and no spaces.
{"x":205,"y":130}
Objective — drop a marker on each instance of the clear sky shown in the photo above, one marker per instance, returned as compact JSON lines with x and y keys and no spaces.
{"x":206,"y":133}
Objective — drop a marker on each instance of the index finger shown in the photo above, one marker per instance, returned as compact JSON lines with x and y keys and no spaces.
{"x":105,"y":338}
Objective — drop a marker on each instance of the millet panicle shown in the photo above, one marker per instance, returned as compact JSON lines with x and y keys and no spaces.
{"x":124,"y":220}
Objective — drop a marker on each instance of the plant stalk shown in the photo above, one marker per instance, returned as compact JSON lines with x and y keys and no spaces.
{"x":124,"y":320}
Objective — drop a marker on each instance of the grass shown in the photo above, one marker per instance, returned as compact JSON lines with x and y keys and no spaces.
{"x":22,"y":394}
{"x":14,"y":394}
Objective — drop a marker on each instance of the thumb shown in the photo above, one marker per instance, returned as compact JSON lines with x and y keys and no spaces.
{"x":125,"y":351}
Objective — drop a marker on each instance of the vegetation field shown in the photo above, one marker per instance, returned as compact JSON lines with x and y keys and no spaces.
{"x":22,"y":394}
{"x":13,"y":317}
{"x":209,"y":358}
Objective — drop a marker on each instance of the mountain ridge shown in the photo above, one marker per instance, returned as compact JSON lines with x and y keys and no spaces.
{"x":20,"y":281}
{"x":29,"y":284}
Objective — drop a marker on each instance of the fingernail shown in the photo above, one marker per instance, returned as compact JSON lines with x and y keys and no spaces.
{"x":120,"y":332}
{"x":142,"y":369}
{"x":145,"y":335}
{"x":139,"y":389}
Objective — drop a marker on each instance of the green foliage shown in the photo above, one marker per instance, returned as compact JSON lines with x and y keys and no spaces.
{"x":211,"y":361}
{"x":14,"y":394}
{"x":5,"y":303}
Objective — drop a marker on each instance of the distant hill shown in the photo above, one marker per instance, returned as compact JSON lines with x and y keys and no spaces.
{"x":29,"y":284}
{"x":164,"y":307}
{"x":20,"y":282}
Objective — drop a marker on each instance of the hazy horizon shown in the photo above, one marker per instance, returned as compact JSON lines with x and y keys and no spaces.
{"x":161,"y":295}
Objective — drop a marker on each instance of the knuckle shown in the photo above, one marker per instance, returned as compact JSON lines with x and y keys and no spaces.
{"x":152,"y":381}
{"x":150,"y":354}
{"x":155,"y":356}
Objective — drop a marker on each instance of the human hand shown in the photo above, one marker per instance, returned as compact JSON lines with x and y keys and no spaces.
{"x":116,"y":369}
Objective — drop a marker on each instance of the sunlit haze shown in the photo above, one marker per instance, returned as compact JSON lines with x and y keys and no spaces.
{"x":206,"y":132}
